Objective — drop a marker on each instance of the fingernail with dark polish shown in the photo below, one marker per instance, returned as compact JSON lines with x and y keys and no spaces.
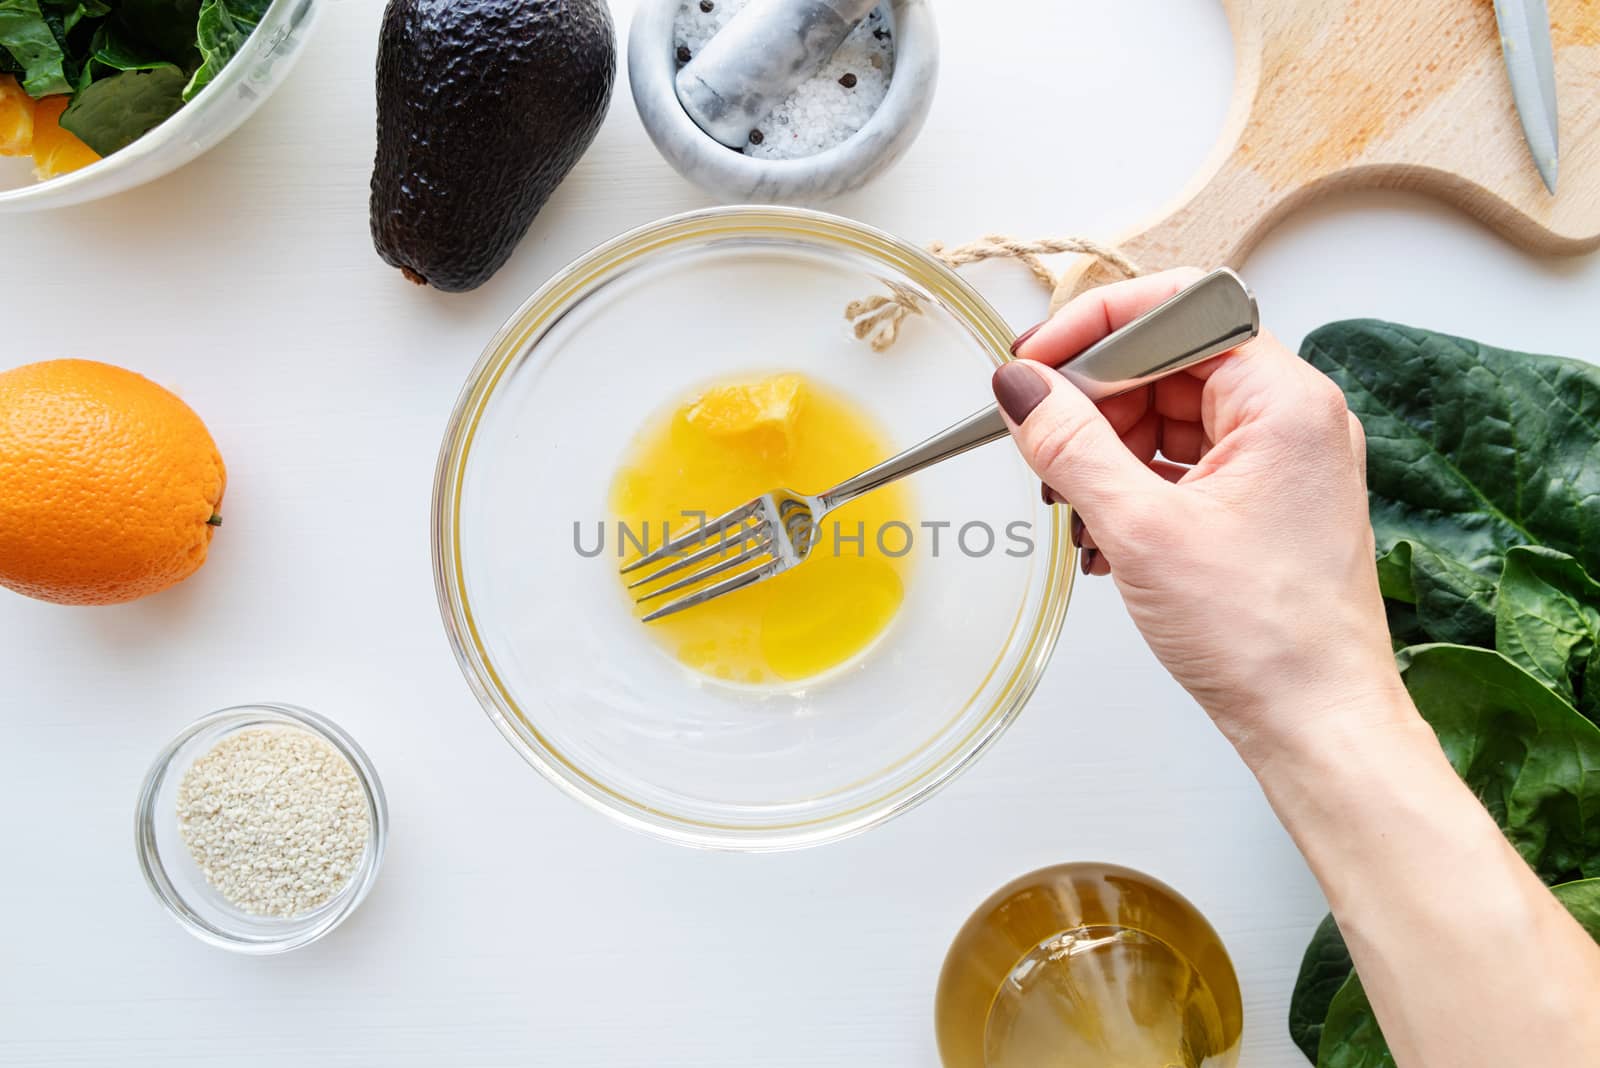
{"x":1076,"y":527}
{"x":1086,"y":559}
{"x":1025,"y":335}
{"x":1050,"y":496}
{"x":1019,"y":389}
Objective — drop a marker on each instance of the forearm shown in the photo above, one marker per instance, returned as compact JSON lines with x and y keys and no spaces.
{"x":1466,"y":957}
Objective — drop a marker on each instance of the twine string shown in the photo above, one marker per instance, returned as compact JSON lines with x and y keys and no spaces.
{"x":877,"y":319}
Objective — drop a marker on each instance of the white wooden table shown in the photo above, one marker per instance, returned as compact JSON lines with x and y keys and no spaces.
{"x":510,"y":926}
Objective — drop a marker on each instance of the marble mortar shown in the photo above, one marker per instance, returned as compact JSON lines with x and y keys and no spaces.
{"x":734,"y":177}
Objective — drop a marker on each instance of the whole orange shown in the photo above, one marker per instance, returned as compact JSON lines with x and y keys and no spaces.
{"x":109,"y":485}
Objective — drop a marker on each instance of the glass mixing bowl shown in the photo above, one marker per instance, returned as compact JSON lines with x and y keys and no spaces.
{"x":215,"y":112}
{"x":538,"y":617}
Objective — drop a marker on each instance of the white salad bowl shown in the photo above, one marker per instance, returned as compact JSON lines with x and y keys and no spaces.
{"x":248,"y":79}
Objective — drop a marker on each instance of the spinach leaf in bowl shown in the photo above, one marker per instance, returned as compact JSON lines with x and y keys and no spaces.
{"x":169,"y":27}
{"x":126,"y":88}
{"x":35,"y":49}
{"x":110,"y":113}
{"x":114,"y":49}
{"x":73,"y":12}
{"x":223,"y":28}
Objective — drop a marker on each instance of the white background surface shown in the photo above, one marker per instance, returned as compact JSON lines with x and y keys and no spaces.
{"x":510,"y":926}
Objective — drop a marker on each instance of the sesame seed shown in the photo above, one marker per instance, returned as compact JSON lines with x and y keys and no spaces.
{"x":276,"y":818}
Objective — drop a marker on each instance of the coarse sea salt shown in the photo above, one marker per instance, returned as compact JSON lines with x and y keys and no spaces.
{"x":824,"y":110}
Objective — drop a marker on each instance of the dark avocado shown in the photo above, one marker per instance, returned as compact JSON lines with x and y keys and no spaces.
{"x":484,"y":106}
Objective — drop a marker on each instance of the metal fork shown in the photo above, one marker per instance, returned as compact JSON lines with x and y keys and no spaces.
{"x":777,"y":530}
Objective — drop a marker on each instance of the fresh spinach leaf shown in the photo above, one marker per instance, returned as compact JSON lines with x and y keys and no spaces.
{"x":72,"y":22}
{"x":223,"y":27}
{"x":1351,"y":1037}
{"x":1323,"y":972}
{"x":1404,"y":626}
{"x":111,"y":112}
{"x":1449,"y":601}
{"x":1471,"y":450}
{"x":1589,"y":698}
{"x":1582,"y":899}
{"x":113,"y":49}
{"x":72,"y":12}
{"x":1484,"y":472}
{"x":1547,"y":620}
{"x":1528,"y":755}
{"x":27,"y":36}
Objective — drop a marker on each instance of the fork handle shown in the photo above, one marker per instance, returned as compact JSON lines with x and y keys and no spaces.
{"x":1206,"y":319}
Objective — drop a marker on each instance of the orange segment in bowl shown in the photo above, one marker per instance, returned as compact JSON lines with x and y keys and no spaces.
{"x":16,"y":118}
{"x":761,"y":415}
{"x":56,"y":151}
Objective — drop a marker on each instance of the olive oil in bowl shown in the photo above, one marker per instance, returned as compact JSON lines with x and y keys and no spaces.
{"x":1088,"y":966}
{"x":718,"y":449}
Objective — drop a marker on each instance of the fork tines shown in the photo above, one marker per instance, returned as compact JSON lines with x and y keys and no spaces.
{"x":739,"y":539}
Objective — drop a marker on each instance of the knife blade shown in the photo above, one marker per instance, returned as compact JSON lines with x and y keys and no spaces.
{"x":1531,"y":63}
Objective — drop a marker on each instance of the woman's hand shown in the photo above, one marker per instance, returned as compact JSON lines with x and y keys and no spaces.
{"x":1229,"y":504}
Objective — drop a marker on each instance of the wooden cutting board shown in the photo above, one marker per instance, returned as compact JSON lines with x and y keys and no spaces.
{"x":1400,"y":94}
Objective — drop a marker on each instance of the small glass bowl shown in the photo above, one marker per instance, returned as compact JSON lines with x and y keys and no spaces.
{"x":244,"y":84}
{"x":175,"y":878}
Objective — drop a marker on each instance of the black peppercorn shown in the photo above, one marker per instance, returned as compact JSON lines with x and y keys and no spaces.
{"x":880,"y":34}
{"x":707,"y":6}
{"x":848,"y":80}
{"x":684,"y":55}
{"x":756,"y":137}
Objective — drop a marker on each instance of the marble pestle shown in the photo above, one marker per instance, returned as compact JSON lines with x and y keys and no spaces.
{"x":758,"y":59}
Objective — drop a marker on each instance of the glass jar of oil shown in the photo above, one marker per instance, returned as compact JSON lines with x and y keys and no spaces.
{"x":1088,"y":966}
